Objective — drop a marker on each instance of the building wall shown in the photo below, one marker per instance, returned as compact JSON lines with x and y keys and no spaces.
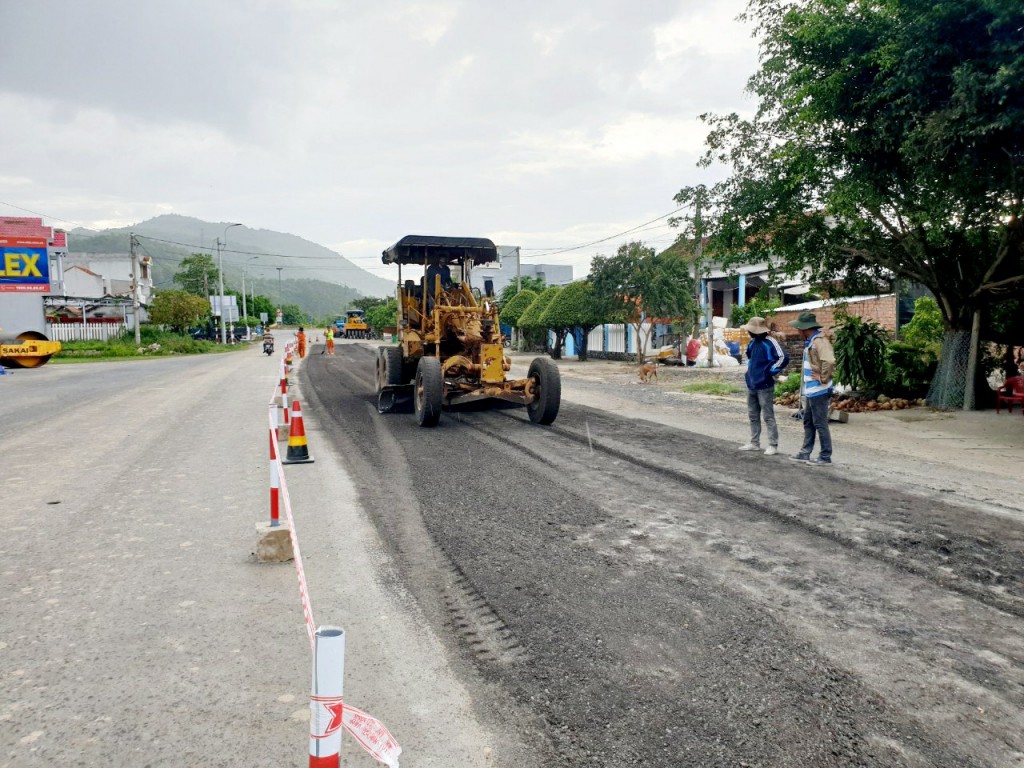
{"x":79,"y":283}
{"x":879,"y":309}
{"x":505,"y":273}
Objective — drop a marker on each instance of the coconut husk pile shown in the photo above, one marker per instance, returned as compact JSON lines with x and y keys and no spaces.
{"x":856,"y":403}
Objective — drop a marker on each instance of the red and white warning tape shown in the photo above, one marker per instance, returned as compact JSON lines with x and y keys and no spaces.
{"x":368,"y":731}
{"x":307,"y":609}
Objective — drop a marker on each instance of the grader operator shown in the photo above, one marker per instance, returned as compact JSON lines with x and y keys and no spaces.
{"x":449,"y":341}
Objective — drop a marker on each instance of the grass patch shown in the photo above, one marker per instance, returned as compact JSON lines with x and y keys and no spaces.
{"x":154,"y":344}
{"x":712,"y":388}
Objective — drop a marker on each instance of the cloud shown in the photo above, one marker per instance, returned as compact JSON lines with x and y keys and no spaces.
{"x":354,"y":123}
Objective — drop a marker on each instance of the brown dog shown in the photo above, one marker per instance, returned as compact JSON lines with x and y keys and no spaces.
{"x":647,"y":372}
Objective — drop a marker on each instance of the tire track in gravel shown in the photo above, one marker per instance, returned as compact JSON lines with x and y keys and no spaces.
{"x":642,"y":640}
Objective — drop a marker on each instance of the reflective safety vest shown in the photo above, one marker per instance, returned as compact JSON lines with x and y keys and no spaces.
{"x":812,"y":387}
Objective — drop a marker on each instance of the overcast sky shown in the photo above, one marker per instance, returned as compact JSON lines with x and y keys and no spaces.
{"x":540,"y":124}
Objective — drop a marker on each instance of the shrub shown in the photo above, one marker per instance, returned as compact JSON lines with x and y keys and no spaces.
{"x":925,"y":327}
{"x":910,"y":369}
{"x":789,"y":384}
{"x":756,"y":307}
{"x":860,"y":352}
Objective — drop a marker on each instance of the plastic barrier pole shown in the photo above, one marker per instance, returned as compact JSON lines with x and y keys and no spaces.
{"x":325,"y":705}
{"x":275,"y":484}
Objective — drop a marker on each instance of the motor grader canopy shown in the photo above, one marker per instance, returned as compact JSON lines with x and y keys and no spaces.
{"x":418,"y":249}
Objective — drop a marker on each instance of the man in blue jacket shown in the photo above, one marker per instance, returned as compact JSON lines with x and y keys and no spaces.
{"x":765,"y":360}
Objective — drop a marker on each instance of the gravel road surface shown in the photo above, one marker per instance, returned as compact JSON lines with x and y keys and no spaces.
{"x":650,"y":596}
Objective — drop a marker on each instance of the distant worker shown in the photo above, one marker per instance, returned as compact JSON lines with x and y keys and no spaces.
{"x":301,"y":337}
{"x":329,"y":342}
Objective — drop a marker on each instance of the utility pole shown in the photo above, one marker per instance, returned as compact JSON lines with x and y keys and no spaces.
{"x":518,"y":279}
{"x":280,"y":301}
{"x":698,"y":254}
{"x":220,"y":299}
{"x":136,"y":303}
{"x":220,"y":269}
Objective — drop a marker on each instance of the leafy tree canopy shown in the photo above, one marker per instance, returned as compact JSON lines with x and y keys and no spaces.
{"x":259,"y":303}
{"x":292,"y":314}
{"x":637,"y":282}
{"x":572,"y":307}
{"x":198,"y":275}
{"x":531,"y":316}
{"x":527,"y":283}
{"x":179,"y":310}
{"x":513,"y":309}
{"x":888,"y":140}
{"x":366,"y":303}
{"x":383,"y":314}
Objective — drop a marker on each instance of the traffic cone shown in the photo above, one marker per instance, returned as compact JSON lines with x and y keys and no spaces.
{"x":298,"y":451}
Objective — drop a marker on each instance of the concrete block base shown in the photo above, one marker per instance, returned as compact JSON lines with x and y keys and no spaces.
{"x":842,"y":417}
{"x":273,"y":544}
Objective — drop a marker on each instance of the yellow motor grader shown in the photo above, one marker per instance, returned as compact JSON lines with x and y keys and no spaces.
{"x":450,"y":347}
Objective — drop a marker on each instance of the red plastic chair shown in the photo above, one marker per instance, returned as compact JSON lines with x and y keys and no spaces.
{"x":1011,"y":392}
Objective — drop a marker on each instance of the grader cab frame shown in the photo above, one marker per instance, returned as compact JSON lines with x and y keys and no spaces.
{"x":450,"y":348}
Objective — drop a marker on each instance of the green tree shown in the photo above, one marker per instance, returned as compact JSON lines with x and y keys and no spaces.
{"x":366,"y":303}
{"x":574,"y":307}
{"x":638,"y":286}
{"x":759,"y":306}
{"x":262,"y":304}
{"x":530,"y":319}
{"x":527,"y":283}
{"x":179,"y":310}
{"x":383,"y":314}
{"x":292,"y":314}
{"x":925,"y":327}
{"x":198,"y":275}
{"x":513,"y":308}
{"x":888,"y":141}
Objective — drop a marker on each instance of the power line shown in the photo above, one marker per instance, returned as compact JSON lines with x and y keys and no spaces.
{"x":603,"y":239}
{"x":45,"y":216}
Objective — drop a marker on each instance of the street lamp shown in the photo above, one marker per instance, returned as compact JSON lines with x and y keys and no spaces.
{"x":245,"y":308}
{"x":220,"y":269}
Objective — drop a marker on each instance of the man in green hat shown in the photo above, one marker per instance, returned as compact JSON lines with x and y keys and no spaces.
{"x":815,"y":390}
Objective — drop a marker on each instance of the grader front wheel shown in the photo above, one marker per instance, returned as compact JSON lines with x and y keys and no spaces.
{"x":428,"y":392}
{"x":547,"y":391}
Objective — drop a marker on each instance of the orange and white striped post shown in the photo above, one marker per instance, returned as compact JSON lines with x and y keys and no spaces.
{"x":326,"y":707}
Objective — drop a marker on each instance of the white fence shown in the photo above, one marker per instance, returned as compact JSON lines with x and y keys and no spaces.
{"x":88,"y":331}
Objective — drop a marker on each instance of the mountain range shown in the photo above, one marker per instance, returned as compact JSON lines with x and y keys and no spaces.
{"x":286,"y":268}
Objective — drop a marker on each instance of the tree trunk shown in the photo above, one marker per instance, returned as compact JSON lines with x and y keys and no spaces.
{"x":582,"y":352}
{"x":556,"y":351}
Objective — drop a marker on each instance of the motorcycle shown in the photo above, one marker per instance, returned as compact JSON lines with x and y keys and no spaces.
{"x":268,"y":346}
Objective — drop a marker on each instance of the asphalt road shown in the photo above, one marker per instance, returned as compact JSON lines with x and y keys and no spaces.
{"x":648,"y":596}
{"x":601,"y":592}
